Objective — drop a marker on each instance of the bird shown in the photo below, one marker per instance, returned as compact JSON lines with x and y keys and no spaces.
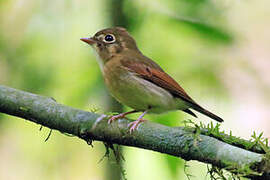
{"x":137,"y":81}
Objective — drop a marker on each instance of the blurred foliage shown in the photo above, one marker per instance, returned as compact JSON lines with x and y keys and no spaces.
{"x":40,"y":52}
{"x":212,"y":33}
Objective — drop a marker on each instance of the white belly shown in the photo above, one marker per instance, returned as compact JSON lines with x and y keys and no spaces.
{"x":141,"y":94}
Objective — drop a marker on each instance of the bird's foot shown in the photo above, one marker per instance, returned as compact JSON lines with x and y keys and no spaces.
{"x":134,"y":125}
{"x":122,"y":115}
{"x":115,"y":117}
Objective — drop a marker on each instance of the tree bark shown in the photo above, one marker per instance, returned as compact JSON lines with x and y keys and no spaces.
{"x":177,"y":141}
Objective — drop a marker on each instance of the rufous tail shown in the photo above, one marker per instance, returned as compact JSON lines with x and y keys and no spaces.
{"x":207,"y":113}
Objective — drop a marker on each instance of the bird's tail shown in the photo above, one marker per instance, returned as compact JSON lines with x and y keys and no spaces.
{"x":207,"y":113}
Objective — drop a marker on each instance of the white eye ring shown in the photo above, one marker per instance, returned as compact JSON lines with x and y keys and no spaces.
{"x":109,"y":38}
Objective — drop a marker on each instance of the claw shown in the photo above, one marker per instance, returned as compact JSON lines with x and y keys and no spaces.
{"x":113,"y":118}
{"x":119,"y":116}
{"x":134,"y":125}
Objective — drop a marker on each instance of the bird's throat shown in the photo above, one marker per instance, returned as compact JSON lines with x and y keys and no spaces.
{"x":100,"y":61}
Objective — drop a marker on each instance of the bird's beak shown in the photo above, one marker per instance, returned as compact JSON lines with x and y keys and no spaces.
{"x":90,"y":41}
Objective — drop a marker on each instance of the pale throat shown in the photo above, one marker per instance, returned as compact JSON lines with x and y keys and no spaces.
{"x":99,"y":60}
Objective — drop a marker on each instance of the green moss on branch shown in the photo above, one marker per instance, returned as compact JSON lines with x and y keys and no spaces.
{"x":176,"y":141}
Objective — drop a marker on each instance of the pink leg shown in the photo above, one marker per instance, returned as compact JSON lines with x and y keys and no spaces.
{"x":134,"y":125}
{"x":122,"y":115}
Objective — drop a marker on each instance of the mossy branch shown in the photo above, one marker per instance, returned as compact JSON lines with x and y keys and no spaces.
{"x":187,"y":143}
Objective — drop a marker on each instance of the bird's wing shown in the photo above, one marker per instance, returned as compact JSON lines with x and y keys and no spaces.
{"x":157,"y":76}
{"x":151,"y":72}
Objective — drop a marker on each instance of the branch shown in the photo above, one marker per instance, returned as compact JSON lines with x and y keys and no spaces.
{"x":182,"y":142}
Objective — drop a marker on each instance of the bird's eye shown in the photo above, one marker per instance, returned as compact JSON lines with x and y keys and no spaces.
{"x":109,"y":38}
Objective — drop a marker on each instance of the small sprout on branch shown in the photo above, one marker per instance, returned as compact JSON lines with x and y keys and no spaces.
{"x":94,"y":109}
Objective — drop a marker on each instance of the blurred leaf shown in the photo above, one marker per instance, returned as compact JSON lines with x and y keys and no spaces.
{"x":174,"y":165}
{"x":202,"y":16}
{"x":206,"y":31}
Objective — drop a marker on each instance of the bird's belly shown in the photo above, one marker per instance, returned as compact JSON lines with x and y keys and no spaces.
{"x":141,"y":94}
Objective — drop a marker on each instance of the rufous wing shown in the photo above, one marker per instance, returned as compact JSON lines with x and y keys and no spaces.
{"x":153,"y":73}
{"x":158,"y":77}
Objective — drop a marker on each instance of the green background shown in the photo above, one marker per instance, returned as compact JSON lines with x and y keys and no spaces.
{"x":217,"y":50}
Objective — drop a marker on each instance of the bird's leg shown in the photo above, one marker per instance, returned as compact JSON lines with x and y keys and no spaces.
{"x":133,"y":125}
{"x":122,"y":115}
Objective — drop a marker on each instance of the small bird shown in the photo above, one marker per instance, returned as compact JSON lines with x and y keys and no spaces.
{"x":137,"y":81}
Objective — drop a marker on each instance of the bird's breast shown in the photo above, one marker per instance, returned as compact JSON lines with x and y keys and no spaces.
{"x":136,"y":92}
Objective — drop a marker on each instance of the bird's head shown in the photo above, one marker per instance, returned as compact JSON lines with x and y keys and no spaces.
{"x":110,"y":42}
